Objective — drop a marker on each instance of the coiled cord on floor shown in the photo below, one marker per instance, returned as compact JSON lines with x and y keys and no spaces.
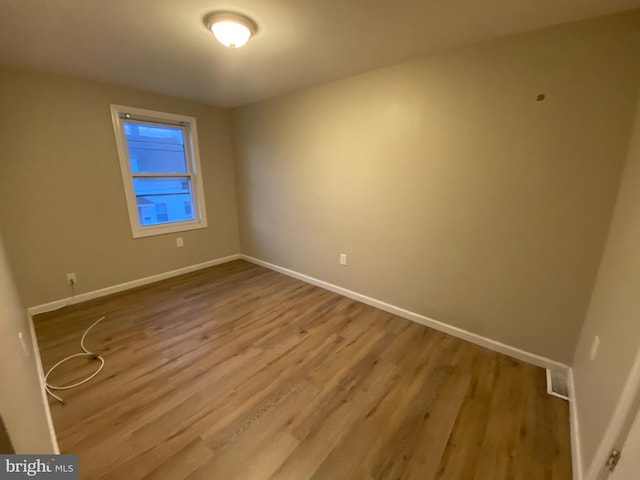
{"x":86,"y":353}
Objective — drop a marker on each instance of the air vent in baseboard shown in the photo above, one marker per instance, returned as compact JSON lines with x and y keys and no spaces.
{"x":557,"y":384}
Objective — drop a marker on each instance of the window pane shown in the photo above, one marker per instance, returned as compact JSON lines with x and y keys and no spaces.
{"x":155,"y":148}
{"x":163,"y":199}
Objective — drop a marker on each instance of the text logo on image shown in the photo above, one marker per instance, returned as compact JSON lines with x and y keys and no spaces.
{"x":51,"y":467}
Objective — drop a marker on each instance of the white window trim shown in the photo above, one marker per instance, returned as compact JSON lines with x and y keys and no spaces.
{"x":195,"y":172}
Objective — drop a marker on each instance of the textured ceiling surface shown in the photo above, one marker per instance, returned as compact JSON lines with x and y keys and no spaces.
{"x":163,"y":46}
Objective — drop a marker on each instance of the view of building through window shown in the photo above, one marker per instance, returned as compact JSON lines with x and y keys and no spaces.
{"x":157,"y":159}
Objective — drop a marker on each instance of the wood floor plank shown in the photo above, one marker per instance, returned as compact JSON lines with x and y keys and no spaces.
{"x":238,"y":372}
{"x":182,"y":463}
{"x":468,"y":433}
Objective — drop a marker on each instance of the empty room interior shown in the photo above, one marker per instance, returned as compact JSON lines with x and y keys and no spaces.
{"x":296,"y":240}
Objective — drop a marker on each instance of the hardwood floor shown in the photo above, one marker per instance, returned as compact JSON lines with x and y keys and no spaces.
{"x":238,"y":372}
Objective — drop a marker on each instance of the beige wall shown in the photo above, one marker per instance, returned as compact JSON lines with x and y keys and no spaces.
{"x":614,"y":314}
{"x":453,"y":192}
{"x":62,"y":203}
{"x":22,"y":403}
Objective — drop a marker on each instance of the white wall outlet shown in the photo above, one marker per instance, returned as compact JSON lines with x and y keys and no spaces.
{"x":594,"y":347}
{"x":71,"y":278}
{"x":343,"y":259}
{"x":179,"y":242}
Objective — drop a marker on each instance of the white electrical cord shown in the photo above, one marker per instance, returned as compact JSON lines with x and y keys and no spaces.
{"x":73,"y":293}
{"x":48,"y":387}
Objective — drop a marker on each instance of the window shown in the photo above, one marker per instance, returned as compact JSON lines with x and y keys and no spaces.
{"x":160,"y":168}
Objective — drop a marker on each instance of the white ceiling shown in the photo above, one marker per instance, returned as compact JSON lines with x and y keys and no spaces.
{"x":162,"y":45}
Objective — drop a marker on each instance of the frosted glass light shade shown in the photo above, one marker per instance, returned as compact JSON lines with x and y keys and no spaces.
{"x":230,"y":29}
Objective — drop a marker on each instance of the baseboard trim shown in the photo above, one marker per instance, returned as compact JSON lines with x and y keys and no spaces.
{"x":103,"y":292}
{"x":418,"y":318}
{"x":576,"y":445}
{"x":45,"y":400}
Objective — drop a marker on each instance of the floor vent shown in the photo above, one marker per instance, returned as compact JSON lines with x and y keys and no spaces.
{"x":557,"y":384}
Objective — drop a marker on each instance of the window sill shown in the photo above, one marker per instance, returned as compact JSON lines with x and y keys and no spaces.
{"x":154,"y":230}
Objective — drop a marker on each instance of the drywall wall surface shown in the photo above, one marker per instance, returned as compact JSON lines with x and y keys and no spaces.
{"x":62,"y":201}
{"x":22,"y":405}
{"x":453,"y":191}
{"x":613,"y":315}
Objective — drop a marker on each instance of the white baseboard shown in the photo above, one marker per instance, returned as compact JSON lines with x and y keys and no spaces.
{"x":421,"y":319}
{"x":416,"y":317}
{"x":45,"y":400}
{"x":83,"y":297}
{"x":576,"y":446}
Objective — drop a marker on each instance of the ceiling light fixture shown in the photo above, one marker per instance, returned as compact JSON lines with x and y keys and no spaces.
{"x":231,"y":29}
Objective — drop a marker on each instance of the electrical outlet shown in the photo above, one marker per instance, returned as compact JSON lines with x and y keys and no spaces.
{"x":71,"y":278}
{"x":594,"y":347}
{"x":343,"y":259}
{"x":179,"y":242}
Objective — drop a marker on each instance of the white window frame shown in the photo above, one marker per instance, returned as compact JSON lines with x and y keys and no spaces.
{"x":194,"y":170}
